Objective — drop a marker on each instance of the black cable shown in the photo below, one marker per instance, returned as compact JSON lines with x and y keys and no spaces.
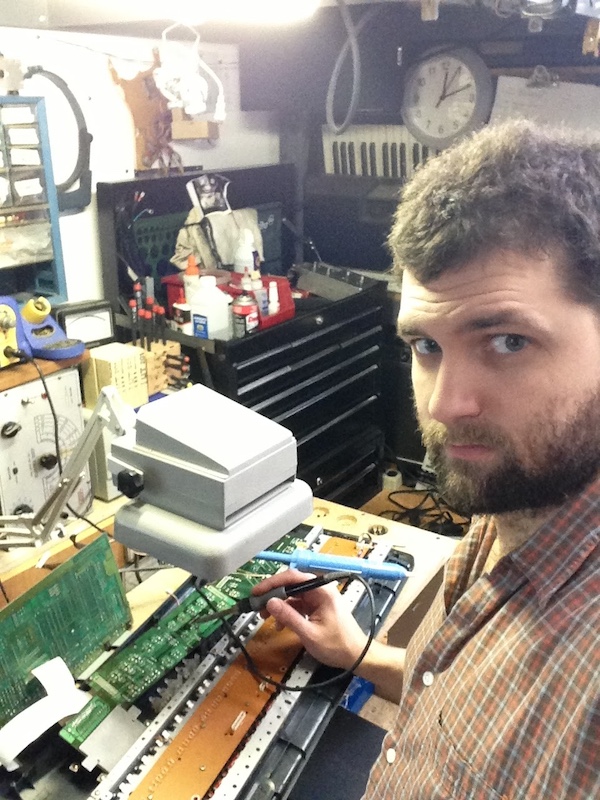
{"x":85,"y":519}
{"x":309,"y":687}
{"x":431,"y":512}
{"x":30,"y":360}
{"x":82,"y":517}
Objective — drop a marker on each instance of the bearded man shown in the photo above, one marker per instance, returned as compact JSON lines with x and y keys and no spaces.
{"x":498,"y":241}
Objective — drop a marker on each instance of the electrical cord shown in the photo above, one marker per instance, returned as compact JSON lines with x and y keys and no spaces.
{"x":309,"y":687}
{"x":351,"y":44}
{"x":430,"y":512}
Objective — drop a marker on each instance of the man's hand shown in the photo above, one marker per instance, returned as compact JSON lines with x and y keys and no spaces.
{"x":324,"y":623}
{"x":320,"y":618}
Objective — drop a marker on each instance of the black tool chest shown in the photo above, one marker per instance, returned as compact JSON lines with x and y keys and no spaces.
{"x":319,"y":375}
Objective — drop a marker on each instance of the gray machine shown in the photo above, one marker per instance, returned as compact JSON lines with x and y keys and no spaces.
{"x":214,"y":482}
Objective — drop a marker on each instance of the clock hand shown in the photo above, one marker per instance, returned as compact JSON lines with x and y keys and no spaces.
{"x":455,"y":74}
{"x":444,"y":87}
{"x":461,"y":89}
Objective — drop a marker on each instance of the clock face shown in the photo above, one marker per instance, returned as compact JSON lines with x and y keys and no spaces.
{"x":445,"y":96}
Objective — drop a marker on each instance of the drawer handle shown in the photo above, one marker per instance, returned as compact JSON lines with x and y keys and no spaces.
{"x":319,"y":319}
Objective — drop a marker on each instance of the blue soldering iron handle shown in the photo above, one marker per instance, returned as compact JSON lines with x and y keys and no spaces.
{"x":307,"y":560}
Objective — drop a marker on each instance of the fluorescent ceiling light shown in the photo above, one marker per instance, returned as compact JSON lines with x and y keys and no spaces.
{"x":253,"y":12}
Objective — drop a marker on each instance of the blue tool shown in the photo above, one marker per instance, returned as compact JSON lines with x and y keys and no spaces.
{"x":307,"y":560}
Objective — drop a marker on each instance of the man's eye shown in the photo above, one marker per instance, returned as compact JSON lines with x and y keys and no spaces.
{"x":425,"y":347}
{"x":509,"y":343}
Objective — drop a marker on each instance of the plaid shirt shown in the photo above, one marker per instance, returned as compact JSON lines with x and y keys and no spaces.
{"x":501,"y":697}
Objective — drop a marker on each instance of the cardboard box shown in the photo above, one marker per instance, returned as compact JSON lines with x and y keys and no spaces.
{"x":186,"y":127}
{"x":120,"y":365}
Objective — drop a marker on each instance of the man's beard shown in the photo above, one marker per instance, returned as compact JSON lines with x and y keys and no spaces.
{"x":559,"y":459}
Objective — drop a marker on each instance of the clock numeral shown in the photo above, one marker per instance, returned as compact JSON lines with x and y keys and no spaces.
{"x":455,"y":125}
{"x":416,"y":98}
{"x":418,"y":113}
{"x":472,"y":97}
{"x":428,"y":123}
{"x":440,"y":129}
{"x":421,"y":81}
{"x":431,"y":70}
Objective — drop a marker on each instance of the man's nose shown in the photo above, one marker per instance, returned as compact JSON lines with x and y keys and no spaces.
{"x":455,"y":393}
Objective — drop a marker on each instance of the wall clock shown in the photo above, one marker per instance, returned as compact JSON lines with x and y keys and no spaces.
{"x":447,"y":94}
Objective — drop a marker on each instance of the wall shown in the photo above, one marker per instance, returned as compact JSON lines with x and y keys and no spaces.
{"x":82,"y":60}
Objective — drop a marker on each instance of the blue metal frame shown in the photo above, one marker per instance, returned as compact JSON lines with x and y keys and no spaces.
{"x":58,"y":289}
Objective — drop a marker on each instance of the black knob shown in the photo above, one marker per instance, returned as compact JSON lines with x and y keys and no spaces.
{"x":48,"y":460}
{"x":10,"y":429}
{"x":23,"y":509}
{"x":130,"y":483}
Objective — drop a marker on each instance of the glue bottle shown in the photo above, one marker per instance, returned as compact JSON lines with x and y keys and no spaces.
{"x":210,"y":313}
{"x":191,"y":278}
{"x":243,"y":258}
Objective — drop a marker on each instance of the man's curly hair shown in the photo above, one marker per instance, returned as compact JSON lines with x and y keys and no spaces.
{"x":515,"y":187}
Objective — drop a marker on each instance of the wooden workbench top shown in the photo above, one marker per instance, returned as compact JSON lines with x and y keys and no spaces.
{"x":18,"y":374}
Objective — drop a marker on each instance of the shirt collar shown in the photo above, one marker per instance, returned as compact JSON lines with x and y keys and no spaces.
{"x":562,"y":544}
{"x":466,"y":564}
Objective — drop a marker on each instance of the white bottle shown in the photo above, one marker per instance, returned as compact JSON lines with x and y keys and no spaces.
{"x":243,"y":258}
{"x":210,"y":312}
{"x":273,"y":298}
{"x":191,"y":277}
{"x":246,"y":282}
{"x":260,"y":293}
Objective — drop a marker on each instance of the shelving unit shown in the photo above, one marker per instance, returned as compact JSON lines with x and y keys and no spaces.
{"x":30,"y":250}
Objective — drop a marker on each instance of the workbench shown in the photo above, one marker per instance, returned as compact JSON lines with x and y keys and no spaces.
{"x":429,"y":551}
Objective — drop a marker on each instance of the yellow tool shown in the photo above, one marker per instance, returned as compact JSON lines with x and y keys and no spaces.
{"x":36,"y":310}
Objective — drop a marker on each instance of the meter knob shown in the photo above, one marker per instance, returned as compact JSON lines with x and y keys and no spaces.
{"x":23,"y":509}
{"x":48,"y":460}
{"x":10,"y":429}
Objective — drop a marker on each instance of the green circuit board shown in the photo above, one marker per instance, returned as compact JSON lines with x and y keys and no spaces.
{"x":136,"y":667}
{"x":74,"y":612}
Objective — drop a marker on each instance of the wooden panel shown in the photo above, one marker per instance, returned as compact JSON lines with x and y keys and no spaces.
{"x":18,"y":374}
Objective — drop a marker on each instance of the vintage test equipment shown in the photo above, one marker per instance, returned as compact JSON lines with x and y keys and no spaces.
{"x":28,"y":458}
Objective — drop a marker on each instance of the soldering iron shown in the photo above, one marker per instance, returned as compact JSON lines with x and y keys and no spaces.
{"x":322,"y":562}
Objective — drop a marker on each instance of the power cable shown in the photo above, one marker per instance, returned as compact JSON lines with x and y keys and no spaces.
{"x":351,"y":44}
{"x":312,"y":686}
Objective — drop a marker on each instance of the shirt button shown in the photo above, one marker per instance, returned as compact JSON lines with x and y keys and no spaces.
{"x":428,"y":678}
{"x":390,"y":755}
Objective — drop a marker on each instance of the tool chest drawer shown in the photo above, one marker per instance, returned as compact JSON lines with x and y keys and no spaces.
{"x":319,"y":375}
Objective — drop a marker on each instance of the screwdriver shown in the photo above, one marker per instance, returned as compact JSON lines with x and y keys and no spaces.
{"x":255,"y":603}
